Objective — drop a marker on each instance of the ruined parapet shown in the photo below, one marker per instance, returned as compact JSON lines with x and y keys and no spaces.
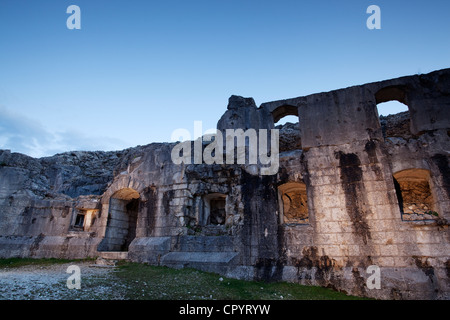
{"x":346,"y":115}
{"x":358,"y":213}
{"x":242,"y":113}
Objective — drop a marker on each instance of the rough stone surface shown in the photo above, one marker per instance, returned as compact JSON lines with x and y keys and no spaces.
{"x":290,"y":138}
{"x":352,"y":191}
{"x":397,"y":125}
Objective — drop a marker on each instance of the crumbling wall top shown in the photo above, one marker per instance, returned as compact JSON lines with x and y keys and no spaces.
{"x":349,"y":114}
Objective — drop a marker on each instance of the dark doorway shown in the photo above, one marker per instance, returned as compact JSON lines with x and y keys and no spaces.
{"x":122,"y":221}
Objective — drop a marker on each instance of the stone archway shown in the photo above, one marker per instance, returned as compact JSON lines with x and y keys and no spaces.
{"x":284,"y":111}
{"x":393,"y":112}
{"x":122,"y":220}
{"x":290,"y":133}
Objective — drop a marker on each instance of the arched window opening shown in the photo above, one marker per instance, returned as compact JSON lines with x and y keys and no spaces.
{"x":391,"y":93}
{"x":286,"y":120}
{"x":284,"y":111}
{"x":393,"y":112}
{"x":293,"y":203}
{"x":394,"y":120}
{"x":414,"y":194}
{"x":393,"y":107}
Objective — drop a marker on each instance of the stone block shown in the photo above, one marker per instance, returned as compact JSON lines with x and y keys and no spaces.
{"x":350,"y":250}
{"x":345,"y":226}
{"x":328,"y":227}
{"x":345,"y":238}
{"x":240,"y":272}
{"x":332,"y":251}
{"x":338,"y":214}
{"x":289,"y":274}
{"x":205,"y":244}
{"x":388,"y":250}
{"x":326,"y":238}
{"x":195,"y":259}
{"x":377,"y":198}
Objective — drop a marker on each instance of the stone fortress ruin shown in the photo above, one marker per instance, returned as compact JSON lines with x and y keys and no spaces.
{"x":353,"y":190}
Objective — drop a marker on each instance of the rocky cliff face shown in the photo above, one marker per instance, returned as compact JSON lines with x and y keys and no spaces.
{"x":68,"y":174}
{"x":65,"y":175}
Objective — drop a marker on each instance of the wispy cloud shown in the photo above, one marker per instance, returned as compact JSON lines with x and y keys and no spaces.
{"x":22,"y":134}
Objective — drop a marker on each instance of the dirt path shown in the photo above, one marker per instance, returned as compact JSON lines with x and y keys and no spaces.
{"x":49,"y":282}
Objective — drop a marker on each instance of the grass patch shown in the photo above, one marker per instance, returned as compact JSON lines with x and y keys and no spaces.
{"x":149,"y":282}
{"x":135,"y":281}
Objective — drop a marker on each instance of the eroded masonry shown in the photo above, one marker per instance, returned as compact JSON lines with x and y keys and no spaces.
{"x":352,"y":191}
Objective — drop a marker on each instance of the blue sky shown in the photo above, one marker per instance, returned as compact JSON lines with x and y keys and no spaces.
{"x":138,"y":70}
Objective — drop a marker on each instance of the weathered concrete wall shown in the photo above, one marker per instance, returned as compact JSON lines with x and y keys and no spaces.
{"x":341,"y":162}
{"x":357,"y":223}
{"x":354,"y":212}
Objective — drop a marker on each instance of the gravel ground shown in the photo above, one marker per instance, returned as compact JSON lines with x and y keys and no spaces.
{"x":49,"y":282}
